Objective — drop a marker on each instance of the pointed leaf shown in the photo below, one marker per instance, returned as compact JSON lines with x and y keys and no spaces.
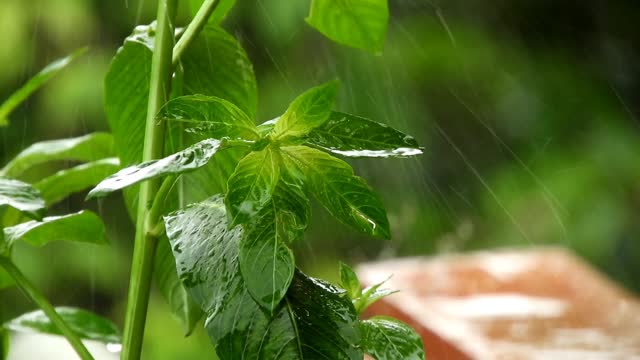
{"x":357,"y":23}
{"x":370,"y":295}
{"x":349,"y":281}
{"x":386,"y":338}
{"x":210,"y":116}
{"x":34,"y":84}
{"x":354,"y":136}
{"x":220,"y":12}
{"x":266,"y":263}
{"x":183,"y":308}
{"x":251,"y":185}
{"x":21,"y":196}
{"x":65,"y":182}
{"x":205,"y":251}
{"x":347,"y":197}
{"x":303,"y":327}
{"x":188,"y":159}
{"x":307,"y":111}
{"x":89,"y":147}
{"x":85,"y":324}
{"x":83,"y":226}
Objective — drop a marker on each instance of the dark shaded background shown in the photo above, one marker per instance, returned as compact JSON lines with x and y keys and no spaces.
{"x":527,"y":109}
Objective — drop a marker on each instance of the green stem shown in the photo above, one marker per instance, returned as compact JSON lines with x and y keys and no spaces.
{"x":39,"y":299}
{"x":145,"y":243}
{"x":194,"y":28}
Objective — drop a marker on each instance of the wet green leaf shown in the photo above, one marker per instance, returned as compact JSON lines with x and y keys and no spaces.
{"x":221,"y":11}
{"x":251,"y":185}
{"x":83,"y":226}
{"x":65,"y":182}
{"x":188,"y":159}
{"x":314,"y":321}
{"x":266,"y":263}
{"x":386,"y":338}
{"x":354,"y":136}
{"x":183,"y":308}
{"x":216,"y":65}
{"x":292,"y":204}
{"x":347,"y":197}
{"x":21,"y":196}
{"x":212,"y":59}
{"x":307,"y":111}
{"x":89,"y":147}
{"x":205,"y":251}
{"x":357,"y":23}
{"x":349,"y":281}
{"x":34,"y":84}
{"x":210,"y":116}
{"x":85,"y":324}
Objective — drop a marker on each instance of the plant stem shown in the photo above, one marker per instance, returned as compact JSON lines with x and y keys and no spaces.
{"x":39,"y":299}
{"x":145,"y":243}
{"x":194,"y":28}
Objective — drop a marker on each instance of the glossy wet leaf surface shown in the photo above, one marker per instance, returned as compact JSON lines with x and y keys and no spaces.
{"x":183,"y":308}
{"x":89,"y":147}
{"x":21,"y":196}
{"x":208,"y":115}
{"x":292,"y":204}
{"x":308,"y":111}
{"x":347,"y":197}
{"x":85,"y":324}
{"x":314,"y":320}
{"x":83,"y":226}
{"x":188,"y":159}
{"x":34,"y":84}
{"x":252,"y":184}
{"x":65,"y":182}
{"x":266,"y":263}
{"x":357,"y":23}
{"x":386,"y":338}
{"x":354,"y":136}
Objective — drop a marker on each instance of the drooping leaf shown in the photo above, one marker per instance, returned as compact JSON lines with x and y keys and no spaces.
{"x":205,"y":251}
{"x":213,"y":58}
{"x":221,"y":11}
{"x":347,"y":197}
{"x":349,"y":281}
{"x":188,"y":159}
{"x":357,"y":23}
{"x":216,"y":65}
{"x":89,"y":147}
{"x":303,"y":327}
{"x":354,"y":136}
{"x":85,"y":324}
{"x":266,"y":263}
{"x":183,"y":308}
{"x":34,"y":84}
{"x":210,"y":116}
{"x":307,"y":111}
{"x":386,"y":338}
{"x":21,"y":196}
{"x":65,"y":182}
{"x":251,"y":185}
{"x":83,"y":226}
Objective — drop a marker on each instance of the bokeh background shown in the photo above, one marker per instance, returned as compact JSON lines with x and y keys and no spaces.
{"x":527,"y":110}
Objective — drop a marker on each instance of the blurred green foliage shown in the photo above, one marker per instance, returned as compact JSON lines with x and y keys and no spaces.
{"x":528,"y":112}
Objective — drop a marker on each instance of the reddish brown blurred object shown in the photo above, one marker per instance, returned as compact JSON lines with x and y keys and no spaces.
{"x":530,"y":304}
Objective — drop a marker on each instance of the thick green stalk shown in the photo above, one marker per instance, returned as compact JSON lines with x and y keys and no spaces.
{"x":39,"y":299}
{"x":145,"y":242}
{"x":194,"y":28}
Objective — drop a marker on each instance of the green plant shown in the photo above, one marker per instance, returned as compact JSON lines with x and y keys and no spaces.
{"x":218,"y":199}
